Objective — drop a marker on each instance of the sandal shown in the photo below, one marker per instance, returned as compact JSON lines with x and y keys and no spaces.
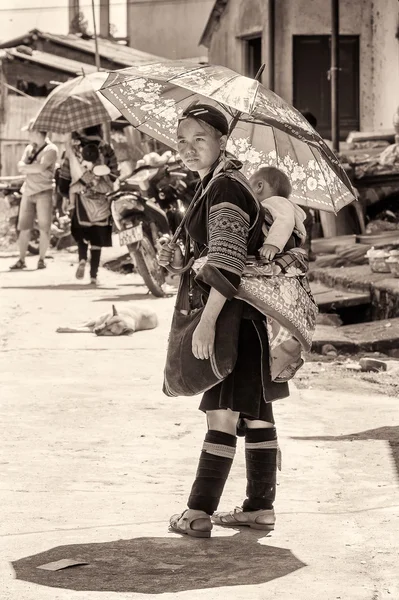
{"x":184,"y":522}
{"x":255,"y":519}
{"x":19,"y":265}
{"x":80,"y":271}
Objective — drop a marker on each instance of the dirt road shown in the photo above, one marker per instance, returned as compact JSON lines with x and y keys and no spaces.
{"x":95,"y":459}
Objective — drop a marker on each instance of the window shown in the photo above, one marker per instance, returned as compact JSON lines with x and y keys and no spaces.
{"x":253,"y":55}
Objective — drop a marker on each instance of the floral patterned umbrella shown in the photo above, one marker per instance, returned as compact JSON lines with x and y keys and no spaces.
{"x":269,"y":131}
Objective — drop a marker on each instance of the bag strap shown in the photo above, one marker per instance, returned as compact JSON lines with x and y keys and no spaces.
{"x":34,"y":156}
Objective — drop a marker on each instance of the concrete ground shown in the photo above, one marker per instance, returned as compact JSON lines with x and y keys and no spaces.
{"x":95,"y":459}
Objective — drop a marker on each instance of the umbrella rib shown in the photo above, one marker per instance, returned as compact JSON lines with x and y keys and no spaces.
{"x":193,"y":70}
{"x":143,"y":75}
{"x":326,"y":182}
{"x":276,"y":146}
{"x":255,"y":96}
{"x":296,"y":156}
{"x":214,"y":91}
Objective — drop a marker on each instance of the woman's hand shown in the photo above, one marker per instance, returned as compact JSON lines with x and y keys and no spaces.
{"x":169,"y":254}
{"x":204,"y":339}
{"x":204,"y":336}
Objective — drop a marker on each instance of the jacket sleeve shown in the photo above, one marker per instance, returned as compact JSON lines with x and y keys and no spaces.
{"x":228,"y":228}
{"x":283,"y":214}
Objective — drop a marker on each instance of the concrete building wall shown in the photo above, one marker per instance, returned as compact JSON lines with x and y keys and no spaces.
{"x":375,"y":21}
{"x":385,"y":62}
{"x":239,"y":19}
{"x":169,"y":28}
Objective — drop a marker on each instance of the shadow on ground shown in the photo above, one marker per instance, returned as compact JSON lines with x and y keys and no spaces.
{"x":61,"y":286}
{"x":150,"y":565}
{"x":126,"y":297}
{"x":388,"y":434}
{"x":141,"y":285}
{"x":135,"y":296}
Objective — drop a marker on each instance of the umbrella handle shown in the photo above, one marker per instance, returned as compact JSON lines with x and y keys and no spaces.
{"x":182,"y":270}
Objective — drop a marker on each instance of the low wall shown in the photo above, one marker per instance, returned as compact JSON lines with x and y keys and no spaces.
{"x":384,"y":290}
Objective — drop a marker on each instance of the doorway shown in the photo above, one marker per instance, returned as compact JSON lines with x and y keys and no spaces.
{"x":311,"y":65}
{"x":252,"y":55}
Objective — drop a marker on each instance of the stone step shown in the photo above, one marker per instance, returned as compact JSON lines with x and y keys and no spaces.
{"x":382,"y":287}
{"x":374,"y":336}
{"x":328,"y":298}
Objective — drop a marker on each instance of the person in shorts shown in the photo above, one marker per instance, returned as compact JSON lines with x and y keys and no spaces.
{"x":38,"y":165}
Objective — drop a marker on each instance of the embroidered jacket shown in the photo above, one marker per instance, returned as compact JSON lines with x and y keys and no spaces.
{"x":220,"y":228}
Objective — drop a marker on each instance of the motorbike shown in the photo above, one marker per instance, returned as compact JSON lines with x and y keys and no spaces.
{"x":172,"y":186}
{"x":10,"y":188}
{"x":141,"y":223}
{"x":150,"y":205}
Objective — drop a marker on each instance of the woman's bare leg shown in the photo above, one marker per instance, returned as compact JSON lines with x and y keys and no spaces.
{"x":258,"y":424}
{"x":223,"y":420}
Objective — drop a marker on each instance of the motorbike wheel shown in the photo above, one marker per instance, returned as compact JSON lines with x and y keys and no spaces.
{"x":33,"y":246}
{"x":147,"y":265}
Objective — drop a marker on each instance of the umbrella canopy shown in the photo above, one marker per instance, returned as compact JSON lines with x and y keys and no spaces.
{"x":269,"y":130}
{"x":76,"y":104}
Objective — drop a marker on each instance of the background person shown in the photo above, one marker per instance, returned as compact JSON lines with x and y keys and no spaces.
{"x":85,"y":195}
{"x":38,"y":165}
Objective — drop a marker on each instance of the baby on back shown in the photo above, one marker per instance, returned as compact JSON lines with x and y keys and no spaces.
{"x":273,"y":189}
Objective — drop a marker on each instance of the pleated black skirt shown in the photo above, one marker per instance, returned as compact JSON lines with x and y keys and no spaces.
{"x":249,"y":389}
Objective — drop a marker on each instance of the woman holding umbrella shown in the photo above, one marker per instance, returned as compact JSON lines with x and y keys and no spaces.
{"x":224,"y":216}
{"x":265,"y":131}
{"x":86,"y":194}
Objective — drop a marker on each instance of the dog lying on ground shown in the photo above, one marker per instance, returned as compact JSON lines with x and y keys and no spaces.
{"x":125,"y":321}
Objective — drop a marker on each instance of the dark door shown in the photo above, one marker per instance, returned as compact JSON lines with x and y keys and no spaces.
{"x":311,"y":64}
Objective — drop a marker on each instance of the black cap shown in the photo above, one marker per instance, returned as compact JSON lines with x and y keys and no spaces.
{"x":209,"y":114}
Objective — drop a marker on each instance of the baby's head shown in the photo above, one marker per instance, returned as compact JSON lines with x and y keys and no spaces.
{"x":270,"y":181}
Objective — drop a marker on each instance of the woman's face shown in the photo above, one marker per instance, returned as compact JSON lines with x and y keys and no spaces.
{"x":198,"y":147}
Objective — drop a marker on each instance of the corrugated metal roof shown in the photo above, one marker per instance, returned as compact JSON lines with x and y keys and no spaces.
{"x":124,"y":55}
{"x":106,"y":48}
{"x":74,"y":67}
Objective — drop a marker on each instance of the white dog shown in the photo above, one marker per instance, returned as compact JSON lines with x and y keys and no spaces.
{"x":125,"y":321}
